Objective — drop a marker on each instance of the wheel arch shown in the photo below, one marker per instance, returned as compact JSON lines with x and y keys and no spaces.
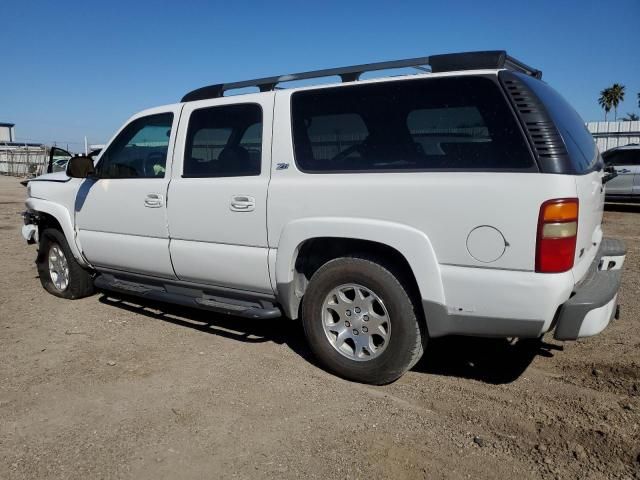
{"x":53,"y":215}
{"x":307,"y":244}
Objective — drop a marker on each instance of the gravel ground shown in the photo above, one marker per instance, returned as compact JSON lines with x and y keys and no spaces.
{"x":107,"y":387}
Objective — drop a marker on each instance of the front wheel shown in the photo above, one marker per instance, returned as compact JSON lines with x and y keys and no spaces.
{"x":60,"y":273}
{"x":360,"y":321}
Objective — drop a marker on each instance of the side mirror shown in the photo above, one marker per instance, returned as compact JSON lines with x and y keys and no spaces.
{"x":609,"y":174}
{"x":80,"y":167}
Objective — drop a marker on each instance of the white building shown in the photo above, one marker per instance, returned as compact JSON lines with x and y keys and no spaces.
{"x":7,"y":132}
{"x":614,"y":134}
{"x":20,"y":158}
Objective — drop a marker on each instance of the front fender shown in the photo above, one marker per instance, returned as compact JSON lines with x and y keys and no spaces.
{"x":61,"y":214}
{"x":413,"y":244}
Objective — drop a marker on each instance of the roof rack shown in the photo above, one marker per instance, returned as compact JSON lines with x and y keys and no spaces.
{"x":438,"y":63}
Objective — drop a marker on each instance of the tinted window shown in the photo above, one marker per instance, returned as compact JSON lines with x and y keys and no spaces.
{"x":461,"y":123}
{"x":140,"y":150}
{"x":622,"y":157}
{"x":578,"y":141}
{"x":224,"y":141}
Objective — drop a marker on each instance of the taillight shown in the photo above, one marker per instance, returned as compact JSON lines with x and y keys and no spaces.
{"x":557,"y":234}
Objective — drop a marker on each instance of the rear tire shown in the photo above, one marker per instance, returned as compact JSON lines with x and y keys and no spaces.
{"x":377,"y":349}
{"x":60,"y":274}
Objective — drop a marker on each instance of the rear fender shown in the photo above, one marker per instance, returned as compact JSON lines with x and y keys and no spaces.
{"x":413,"y":244}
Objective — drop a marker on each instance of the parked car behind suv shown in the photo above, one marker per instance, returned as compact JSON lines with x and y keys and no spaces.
{"x":382,"y":213}
{"x":626,"y":163}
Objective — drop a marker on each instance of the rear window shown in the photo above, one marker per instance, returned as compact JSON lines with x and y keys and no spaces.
{"x":578,"y":141}
{"x":622,"y":157}
{"x":458,"y":123}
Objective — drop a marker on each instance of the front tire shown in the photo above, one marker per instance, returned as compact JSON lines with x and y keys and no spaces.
{"x":360,"y":321}
{"x":60,"y":274}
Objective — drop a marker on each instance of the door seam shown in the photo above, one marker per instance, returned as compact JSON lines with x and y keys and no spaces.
{"x":166,"y":197}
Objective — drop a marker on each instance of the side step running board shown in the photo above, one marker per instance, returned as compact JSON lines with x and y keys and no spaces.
{"x":189,"y":297}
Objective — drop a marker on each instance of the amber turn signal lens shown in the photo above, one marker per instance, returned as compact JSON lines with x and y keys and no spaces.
{"x":560,"y":211}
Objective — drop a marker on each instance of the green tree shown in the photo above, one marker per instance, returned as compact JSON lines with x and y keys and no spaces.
{"x":631,"y":117}
{"x":605,"y":101}
{"x":617,"y":95}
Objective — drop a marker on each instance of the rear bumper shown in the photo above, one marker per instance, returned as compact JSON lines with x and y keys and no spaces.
{"x":593,"y":302}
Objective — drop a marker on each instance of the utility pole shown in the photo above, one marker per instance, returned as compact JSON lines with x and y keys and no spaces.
{"x":86,"y":150}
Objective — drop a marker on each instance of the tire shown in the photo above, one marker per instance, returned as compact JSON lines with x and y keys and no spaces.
{"x":66,"y":278}
{"x":378,"y":359}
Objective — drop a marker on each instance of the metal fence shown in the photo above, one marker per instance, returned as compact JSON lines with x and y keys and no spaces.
{"x":614,"y":134}
{"x":23,"y":161}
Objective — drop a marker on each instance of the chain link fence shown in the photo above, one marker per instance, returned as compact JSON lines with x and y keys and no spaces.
{"x":23,"y":161}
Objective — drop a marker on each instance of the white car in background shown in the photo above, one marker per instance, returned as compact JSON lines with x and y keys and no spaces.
{"x":626,"y":163}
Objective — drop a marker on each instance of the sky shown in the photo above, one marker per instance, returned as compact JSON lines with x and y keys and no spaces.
{"x":71,"y":69}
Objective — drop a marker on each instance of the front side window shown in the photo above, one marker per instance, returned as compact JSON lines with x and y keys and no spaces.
{"x":459,"y":123}
{"x":140,"y":150}
{"x":224,"y":141}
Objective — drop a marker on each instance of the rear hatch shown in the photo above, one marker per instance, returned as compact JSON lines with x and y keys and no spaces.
{"x":591,"y":198}
{"x":563,"y":145}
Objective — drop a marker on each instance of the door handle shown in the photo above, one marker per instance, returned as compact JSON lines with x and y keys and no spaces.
{"x":242,"y":203}
{"x":623,"y":170}
{"x":153,"y":200}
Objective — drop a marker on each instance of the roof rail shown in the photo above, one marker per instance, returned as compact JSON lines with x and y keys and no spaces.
{"x":438,"y":63}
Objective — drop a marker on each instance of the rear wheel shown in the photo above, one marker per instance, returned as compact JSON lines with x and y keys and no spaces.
{"x":60,"y":273}
{"x":360,"y":321}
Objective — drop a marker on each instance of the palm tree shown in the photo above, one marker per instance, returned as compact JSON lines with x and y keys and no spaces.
{"x":631,"y":117}
{"x":617,"y":96}
{"x":605,"y":101}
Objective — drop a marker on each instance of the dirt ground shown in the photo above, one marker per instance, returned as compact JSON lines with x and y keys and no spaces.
{"x":107,"y":387}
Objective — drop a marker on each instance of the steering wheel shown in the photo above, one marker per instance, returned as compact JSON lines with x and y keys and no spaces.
{"x":153,"y":159}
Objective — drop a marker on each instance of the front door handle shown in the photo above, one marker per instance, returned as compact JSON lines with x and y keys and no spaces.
{"x":242,"y":203}
{"x":623,"y":170}
{"x":153,"y":200}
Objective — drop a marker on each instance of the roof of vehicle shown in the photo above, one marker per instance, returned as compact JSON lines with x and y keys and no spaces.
{"x":451,"y":62}
{"x":629,"y":146}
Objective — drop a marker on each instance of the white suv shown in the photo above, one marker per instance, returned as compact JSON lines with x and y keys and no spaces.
{"x":465,"y":200}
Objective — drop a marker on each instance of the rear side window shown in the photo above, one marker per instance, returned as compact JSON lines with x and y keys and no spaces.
{"x":580,"y":145}
{"x":622,"y":157}
{"x":458,"y":123}
{"x":224,"y":141}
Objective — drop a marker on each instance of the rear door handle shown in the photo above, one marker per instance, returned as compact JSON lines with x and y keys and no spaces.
{"x":242,"y":203}
{"x":623,"y":170}
{"x":153,"y":200}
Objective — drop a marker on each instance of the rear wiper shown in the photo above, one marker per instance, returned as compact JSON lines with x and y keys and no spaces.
{"x":609,"y":174}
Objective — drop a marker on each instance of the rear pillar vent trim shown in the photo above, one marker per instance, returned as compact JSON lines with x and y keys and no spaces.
{"x":545,"y":140}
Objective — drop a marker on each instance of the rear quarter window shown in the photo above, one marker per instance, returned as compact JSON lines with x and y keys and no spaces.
{"x":455,"y":123}
{"x":580,"y":145}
